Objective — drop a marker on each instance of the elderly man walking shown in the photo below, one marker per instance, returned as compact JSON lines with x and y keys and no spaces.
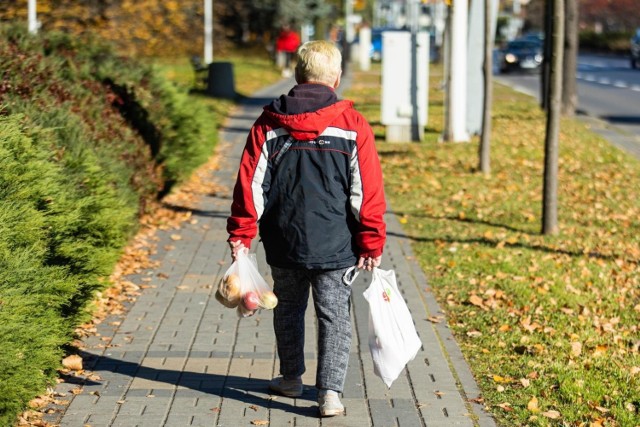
{"x":310,"y":181}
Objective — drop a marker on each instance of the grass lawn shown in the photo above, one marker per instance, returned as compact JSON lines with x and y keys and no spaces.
{"x":549,"y":325}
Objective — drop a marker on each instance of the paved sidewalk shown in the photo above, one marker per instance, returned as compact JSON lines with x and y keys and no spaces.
{"x":179,"y":358}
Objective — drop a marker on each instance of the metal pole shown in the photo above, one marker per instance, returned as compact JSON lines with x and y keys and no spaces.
{"x":208,"y":31}
{"x":33,"y":19}
{"x":458,"y":69}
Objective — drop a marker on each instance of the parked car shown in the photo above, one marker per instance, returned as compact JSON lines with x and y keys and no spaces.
{"x":521,"y":55}
{"x":635,"y":50}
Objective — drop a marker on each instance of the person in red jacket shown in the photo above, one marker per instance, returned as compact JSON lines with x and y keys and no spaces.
{"x":310,"y":181}
{"x":287,"y":43}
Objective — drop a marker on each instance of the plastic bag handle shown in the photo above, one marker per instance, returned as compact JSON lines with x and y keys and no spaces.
{"x":350,"y":275}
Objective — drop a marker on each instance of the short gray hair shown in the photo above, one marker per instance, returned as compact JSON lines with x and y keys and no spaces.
{"x":319,"y":61}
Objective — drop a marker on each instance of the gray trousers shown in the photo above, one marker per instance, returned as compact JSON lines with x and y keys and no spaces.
{"x":332,"y":299}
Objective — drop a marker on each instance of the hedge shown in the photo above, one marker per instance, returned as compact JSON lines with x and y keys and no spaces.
{"x":87,"y":140}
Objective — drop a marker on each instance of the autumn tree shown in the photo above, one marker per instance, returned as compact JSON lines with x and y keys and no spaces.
{"x":168,"y":27}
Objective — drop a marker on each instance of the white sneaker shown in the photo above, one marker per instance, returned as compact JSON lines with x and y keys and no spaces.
{"x":289,"y":388}
{"x":329,"y":404}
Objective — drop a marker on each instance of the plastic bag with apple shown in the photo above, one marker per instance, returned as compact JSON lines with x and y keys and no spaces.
{"x":242,"y":287}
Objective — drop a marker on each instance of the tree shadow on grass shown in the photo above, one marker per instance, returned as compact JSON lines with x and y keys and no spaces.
{"x":463,"y":220}
{"x":495,"y":242}
{"x":504,"y":244}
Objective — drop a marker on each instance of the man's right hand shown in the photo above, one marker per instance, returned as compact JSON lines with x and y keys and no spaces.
{"x":368,"y":263}
{"x":236,"y":248}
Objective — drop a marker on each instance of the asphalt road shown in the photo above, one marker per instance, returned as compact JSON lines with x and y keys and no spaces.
{"x":608,"y":96}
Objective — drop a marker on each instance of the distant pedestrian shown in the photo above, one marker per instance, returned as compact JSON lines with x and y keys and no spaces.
{"x":287,"y":43}
{"x":310,"y":180}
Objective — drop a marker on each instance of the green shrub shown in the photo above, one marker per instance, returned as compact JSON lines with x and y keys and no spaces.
{"x":606,"y":42}
{"x":87,"y":139}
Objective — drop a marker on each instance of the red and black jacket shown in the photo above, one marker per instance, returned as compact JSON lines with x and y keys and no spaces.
{"x":322,"y":205}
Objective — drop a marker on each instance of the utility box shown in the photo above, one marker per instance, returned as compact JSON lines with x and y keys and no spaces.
{"x":405,"y":81}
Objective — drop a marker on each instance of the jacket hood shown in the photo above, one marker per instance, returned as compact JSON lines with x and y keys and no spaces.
{"x":306,"y":111}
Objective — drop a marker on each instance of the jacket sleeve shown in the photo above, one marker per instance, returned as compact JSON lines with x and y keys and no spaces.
{"x":248,"y":193}
{"x":367,"y":193}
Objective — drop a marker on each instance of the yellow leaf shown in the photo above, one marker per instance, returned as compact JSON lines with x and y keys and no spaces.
{"x":499,"y":379}
{"x":260,"y":422}
{"x":600,"y":350}
{"x":576,"y":349}
{"x":476,"y":300}
{"x":533,"y":405}
{"x":554,"y":415}
{"x":73,"y":362}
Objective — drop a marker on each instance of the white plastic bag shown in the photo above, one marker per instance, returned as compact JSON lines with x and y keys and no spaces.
{"x":243,"y":287}
{"x":393,"y":340}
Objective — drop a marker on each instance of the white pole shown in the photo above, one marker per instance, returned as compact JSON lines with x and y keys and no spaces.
{"x":349,"y":31}
{"x":33,"y":19}
{"x":458,"y":69}
{"x":208,"y":31}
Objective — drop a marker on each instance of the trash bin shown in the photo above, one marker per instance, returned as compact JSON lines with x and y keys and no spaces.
{"x":220,"y":83}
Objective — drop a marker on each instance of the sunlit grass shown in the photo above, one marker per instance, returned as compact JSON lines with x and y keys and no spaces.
{"x":551,"y":318}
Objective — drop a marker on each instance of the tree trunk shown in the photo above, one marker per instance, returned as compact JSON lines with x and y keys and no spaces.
{"x":550,"y":197}
{"x":546,"y":54}
{"x":569,"y":85}
{"x":485,"y":137}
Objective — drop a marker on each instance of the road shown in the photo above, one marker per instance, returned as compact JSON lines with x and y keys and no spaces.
{"x":608,"y":97}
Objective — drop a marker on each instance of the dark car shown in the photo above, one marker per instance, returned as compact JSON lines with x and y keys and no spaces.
{"x":521,"y":55}
{"x":635,"y":50}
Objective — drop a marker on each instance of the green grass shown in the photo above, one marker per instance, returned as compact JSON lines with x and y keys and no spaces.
{"x":555,"y":318}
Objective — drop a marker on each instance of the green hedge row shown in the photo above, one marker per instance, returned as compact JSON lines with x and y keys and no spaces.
{"x":610,"y":42}
{"x":87,"y":139}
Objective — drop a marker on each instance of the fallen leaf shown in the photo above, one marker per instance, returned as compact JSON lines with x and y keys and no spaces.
{"x":533,"y":405}
{"x":506,"y":406}
{"x":215,"y":409}
{"x":254,"y":407}
{"x":576,"y":349}
{"x":600,"y":350}
{"x":499,"y":379}
{"x":260,"y":422}
{"x":476,"y":300}
{"x":176,"y":237}
{"x":73,"y":362}
{"x":554,"y":415}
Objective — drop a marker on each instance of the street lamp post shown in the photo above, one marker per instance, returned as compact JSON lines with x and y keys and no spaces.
{"x":208,"y":31}
{"x":33,"y":17}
